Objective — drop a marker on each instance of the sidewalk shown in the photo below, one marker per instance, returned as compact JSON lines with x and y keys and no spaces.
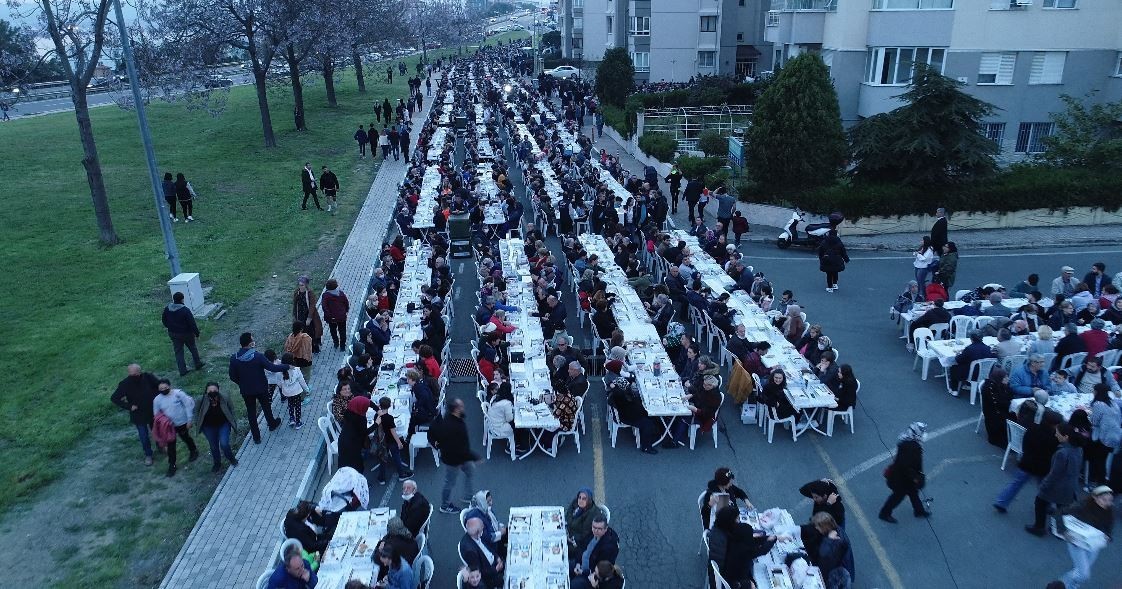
{"x":239,"y":529}
{"x":965,"y":239}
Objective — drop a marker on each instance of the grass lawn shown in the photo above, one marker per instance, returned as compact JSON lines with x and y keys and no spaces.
{"x":91,"y":310}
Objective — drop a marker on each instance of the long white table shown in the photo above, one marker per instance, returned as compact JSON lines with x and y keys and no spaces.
{"x":349,"y":555}
{"x":537,"y":551}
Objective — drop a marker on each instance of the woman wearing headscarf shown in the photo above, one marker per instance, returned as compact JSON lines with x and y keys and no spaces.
{"x":304,"y":310}
{"x":794,"y":326}
{"x":500,"y":412}
{"x":996,"y":396}
{"x":722,"y":482}
{"x":905,"y":475}
{"x":734,"y":546}
{"x":494,"y":532}
{"x":354,"y":435}
{"x":347,"y":490}
{"x":582,"y":510}
{"x":402,"y":540}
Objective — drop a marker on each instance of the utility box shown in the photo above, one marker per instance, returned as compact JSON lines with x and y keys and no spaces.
{"x":191,"y":286}
{"x":459,"y":234}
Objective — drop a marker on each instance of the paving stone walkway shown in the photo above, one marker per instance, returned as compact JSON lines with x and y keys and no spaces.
{"x":239,"y":530}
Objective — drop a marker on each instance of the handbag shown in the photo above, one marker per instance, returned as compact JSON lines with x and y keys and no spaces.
{"x":191,"y":191}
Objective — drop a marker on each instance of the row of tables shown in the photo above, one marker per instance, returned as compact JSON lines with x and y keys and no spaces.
{"x":350,"y":553}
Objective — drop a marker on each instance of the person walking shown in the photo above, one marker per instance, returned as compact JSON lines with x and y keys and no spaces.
{"x":1039,"y":445}
{"x":739,"y":226}
{"x":726,"y":204}
{"x":404,"y":138}
{"x":135,"y":394}
{"x":308,"y":181}
{"x":329,"y":182}
{"x":304,"y":310}
{"x":215,"y":418}
{"x":292,"y":388}
{"x":1096,"y":511}
{"x":452,"y":441}
{"x":832,"y":259}
{"x":387,"y":112}
{"x":384,"y":143}
{"x":1060,"y":485}
{"x":178,"y":407}
{"x":336,"y":307}
{"x":362,"y":139}
{"x":169,"y":196}
{"x":185,"y":194}
{"x":674,"y":178}
{"x":395,"y":142}
{"x":299,"y":345}
{"x":692,"y":195}
{"x":182,"y":329}
{"x":905,"y":475}
{"x":247,"y":370}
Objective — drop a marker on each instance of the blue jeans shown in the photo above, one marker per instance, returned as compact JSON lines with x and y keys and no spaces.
{"x":1005,"y":497}
{"x":1081,"y":560}
{"x":219,"y":437}
{"x":921,"y":278}
{"x":393,"y":456}
{"x":451,"y":473}
{"x":145,"y":438}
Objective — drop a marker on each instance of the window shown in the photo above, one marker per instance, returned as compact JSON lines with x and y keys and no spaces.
{"x":641,"y":25}
{"x":578,"y":43}
{"x":641,"y":60}
{"x":746,"y":67}
{"x":1060,"y":3}
{"x":708,"y":24}
{"x":578,"y":3}
{"x":1030,"y":137}
{"x":740,"y":37}
{"x":578,"y":22}
{"x":1047,"y":67}
{"x":997,"y":68}
{"x":893,"y":66}
{"x":994,"y":132}
{"x":912,"y":4}
{"x":611,"y":26}
{"x":706,"y":59}
{"x":1118,"y":65}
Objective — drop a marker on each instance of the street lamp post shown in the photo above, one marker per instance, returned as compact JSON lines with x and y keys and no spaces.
{"x":170,"y":248}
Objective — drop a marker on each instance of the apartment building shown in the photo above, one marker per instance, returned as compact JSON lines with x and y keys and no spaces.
{"x":670,"y":40}
{"x":1019,"y":55}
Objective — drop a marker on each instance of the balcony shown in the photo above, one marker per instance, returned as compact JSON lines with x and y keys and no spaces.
{"x":797,"y":5}
{"x":795,"y":27}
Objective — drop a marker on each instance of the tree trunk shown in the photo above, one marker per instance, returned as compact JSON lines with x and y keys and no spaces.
{"x":263,"y":106}
{"x":357,"y":59}
{"x":92,"y":163}
{"x":329,"y":81}
{"x":297,"y":89}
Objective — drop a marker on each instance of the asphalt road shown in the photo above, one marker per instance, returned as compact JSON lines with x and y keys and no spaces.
{"x":654,"y":498}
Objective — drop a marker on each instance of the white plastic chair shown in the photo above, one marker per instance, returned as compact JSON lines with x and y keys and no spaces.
{"x":761,"y":408}
{"x":263,"y":580}
{"x":1070,"y":360}
{"x":614,"y":425}
{"x":607,"y":514}
{"x":920,"y":339}
{"x":423,"y":571}
{"x":961,"y":325}
{"x":324,"y":424}
{"x":981,"y":418}
{"x":958,"y":294}
{"x":696,"y":427}
{"x":847,"y":416}
{"x":463,"y":518}
{"x":421,"y":540}
{"x":418,"y":440}
{"x":1109,"y":357}
{"x":718,"y":580}
{"x":425,"y":526}
{"x":574,"y":432}
{"x":773,"y":420}
{"x":941,"y":330}
{"x":1016,"y":440}
{"x":977,"y":374}
{"x":1011,"y":363}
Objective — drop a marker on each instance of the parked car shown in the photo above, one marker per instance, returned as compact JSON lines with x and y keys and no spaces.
{"x":217,"y":82}
{"x":564,"y":71}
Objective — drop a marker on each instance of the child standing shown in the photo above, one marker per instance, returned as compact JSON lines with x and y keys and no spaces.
{"x":739,"y":226}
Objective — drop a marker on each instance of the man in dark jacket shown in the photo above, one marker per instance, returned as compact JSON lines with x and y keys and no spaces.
{"x":435,"y":329}
{"x":135,"y":394}
{"x":478,"y":557}
{"x":450,"y":437}
{"x":976,"y":350}
{"x":414,"y":507}
{"x":247,"y":370}
{"x":1039,"y":445}
{"x":554,"y":319}
{"x":939,"y":231}
{"x":308,"y":182}
{"x":329,"y":182}
{"x":674,"y":178}
{"x":1069,"y":344}
{"x":934,"y":315}
{"x":182,"y":329}
{"x":602,"y":545}
{"x":693,"y":195}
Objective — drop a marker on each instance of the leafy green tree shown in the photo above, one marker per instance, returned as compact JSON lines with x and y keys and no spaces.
{"x":659,"y":146}
{"x":711,"y":143}
{"x":933,"y":139}
{"x":615,"y":76}
{"x":706,"y":168}
{"x":796,"y":139}
{"x":1087,"y":135}
{"x":551,"y":42}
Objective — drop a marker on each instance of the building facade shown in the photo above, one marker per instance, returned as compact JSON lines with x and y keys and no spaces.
{"x":1019,"y":55}
{"x":671,"y":40}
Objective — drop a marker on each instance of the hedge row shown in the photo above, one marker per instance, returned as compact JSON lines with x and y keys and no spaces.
{"x":1019,"y":188}
{"x":660,"y":146}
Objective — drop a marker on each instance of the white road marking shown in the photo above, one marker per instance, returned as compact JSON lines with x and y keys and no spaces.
{"x":1023,"y":255}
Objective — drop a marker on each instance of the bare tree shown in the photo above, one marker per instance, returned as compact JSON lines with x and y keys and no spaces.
{"x":78,"y":35}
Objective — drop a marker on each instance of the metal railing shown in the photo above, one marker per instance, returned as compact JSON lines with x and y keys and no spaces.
{"x":685,"y":124}
{"x":789,"y":5}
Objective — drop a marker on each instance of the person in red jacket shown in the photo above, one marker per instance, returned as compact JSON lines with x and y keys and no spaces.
{"x":336,"y":307}
{"x":1095,"y":338}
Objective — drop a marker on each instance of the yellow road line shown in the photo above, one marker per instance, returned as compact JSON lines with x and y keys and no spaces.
{"x":598,"y":459}
{"x":853,"y":509}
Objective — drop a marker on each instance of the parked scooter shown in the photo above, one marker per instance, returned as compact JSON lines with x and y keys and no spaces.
{"x":815,"y":232}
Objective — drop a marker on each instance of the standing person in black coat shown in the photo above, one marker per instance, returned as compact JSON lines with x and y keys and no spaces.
{"x":905,"y":475}
{"x":939,"y":230}
{"x":832,"y":259}
{"x":674,"y":178}
{"x":169,"y":196}
{"x":386,"y":109}
{"x":734,"y":546}
{"x":403,"y":137}
{"x":135,"y":394}
{"x":329,"y":182}
{"x":308,"y":182}
{"x":692,"y":196}
{"x":824,"y":493}
{"x":449,"y":436}
{"x":182,"y":329}
{"x":362,"y":139}
{"x":186,"y":196}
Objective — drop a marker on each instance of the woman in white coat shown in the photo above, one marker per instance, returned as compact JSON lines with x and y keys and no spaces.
{"x":292,"y":385}
{"x":924,"y":257}
{"x":500,"y":410}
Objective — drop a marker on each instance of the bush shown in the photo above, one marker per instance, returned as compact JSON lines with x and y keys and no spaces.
{"x":711,"y":143}
{"x":700,"y":167}
{"x":618,"y":120}
{"x":659,"y":146}
{"x":1019,"y":188}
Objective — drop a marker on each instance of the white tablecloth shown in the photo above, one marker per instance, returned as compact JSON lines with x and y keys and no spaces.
{"x":349,"y":555}
{"x":537,"y":552}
